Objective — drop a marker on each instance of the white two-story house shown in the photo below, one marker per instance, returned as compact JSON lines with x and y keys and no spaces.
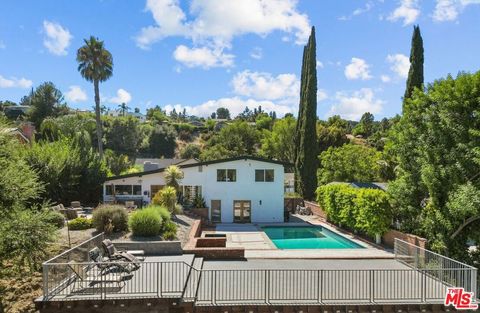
{"x":236,"y":190}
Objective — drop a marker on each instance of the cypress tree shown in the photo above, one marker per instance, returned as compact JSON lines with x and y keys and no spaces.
{"x":306,"y":154}
{"x":415,"y":73}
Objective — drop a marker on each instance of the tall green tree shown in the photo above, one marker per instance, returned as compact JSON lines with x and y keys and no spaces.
{"x":95,"y":64}
{"x":306,"y":154}
{"x":415,"y":73}
{"x":280,"y":142}
{"x":432,"y":189}
{"x":46,"y":101}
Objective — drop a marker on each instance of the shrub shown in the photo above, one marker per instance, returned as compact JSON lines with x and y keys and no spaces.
{"x":163,"y":211}
{"x":199,"y":202}
{"x":166,"y":197}
{"x":363,"y":209}
{"x":26,"y":236}
{"x":110,"y":218}
{"x":80,"y":223}
{"x":54,"y":218}
{"x":169,"y":230}
{"x":374,"y":211}
{"x":146,"y":222}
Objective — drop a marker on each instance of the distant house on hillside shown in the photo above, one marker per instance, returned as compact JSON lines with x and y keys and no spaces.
{"x":15,"y":111}
{"x":371,"y":185}
{"x":115,"y":113}
{"x":24,"y":133}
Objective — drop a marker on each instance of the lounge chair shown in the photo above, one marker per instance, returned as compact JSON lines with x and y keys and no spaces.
{"x":113,"y":254}
{"x":86,"y":280}
{"x":107,"y":265}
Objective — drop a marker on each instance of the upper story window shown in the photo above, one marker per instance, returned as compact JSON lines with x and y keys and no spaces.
{"x":264,"y":175}
{"x":226,"y":175}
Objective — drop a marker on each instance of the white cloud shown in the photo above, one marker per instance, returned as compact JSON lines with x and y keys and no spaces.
{"x":385,"y":78}
{"x":123,"y":96}
{"x":400,"y":64}
{"x":76,"y":94}
{"x":256,"y":53}
{"x":215,"y":23}
{"x":352,"y":106}
{"x":319,"y":64}
{"x":448,"y":10}
{"x":57,"y":39}
{"x":408,"y":11}
{"x":220,"y":21}
{"x":357,"y":69}
{"x":14,"y":82}
{"x":235,"y":105}
{"x":359,"y":11}
{"x":203,"y":57}
{"x":265,"y":86}
{"x":321,"y":95}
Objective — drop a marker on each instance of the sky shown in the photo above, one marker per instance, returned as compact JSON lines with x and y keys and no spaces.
{"x":204,"y":54}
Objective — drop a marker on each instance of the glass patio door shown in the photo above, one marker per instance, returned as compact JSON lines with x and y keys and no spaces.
{"x":241,"y":211}
{"x":216,"y":211}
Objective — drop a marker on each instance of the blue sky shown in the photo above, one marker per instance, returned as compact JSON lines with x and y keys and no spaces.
{"x":202,"y":54}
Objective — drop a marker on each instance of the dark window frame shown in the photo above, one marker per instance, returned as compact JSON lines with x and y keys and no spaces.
{"x":226,"y":175}
{"x":264,"y":175}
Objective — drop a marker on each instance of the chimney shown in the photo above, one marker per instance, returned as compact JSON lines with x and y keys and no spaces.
{"x":149,"y":166}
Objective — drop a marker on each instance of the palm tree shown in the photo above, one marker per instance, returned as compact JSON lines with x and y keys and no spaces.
{"x":173,"y":176}
{"x":95,"y":64}
{"x":123,"y":108}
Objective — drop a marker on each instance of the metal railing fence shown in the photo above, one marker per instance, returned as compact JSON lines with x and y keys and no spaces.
{"x":449,"y":271}
{"x":425,"y":280}
{"x":215,"y":287}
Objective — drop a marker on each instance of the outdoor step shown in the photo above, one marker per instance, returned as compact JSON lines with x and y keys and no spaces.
{"x":193,"y":280}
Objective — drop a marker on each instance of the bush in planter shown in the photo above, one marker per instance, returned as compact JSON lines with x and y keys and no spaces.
{"x":146,"y":222}
{"x":54,"y":218}
{"x":166,"y":197}
{"x":110,"y":218}
{"x":163,"y":211}
{"x":80,"y":223}
{"x":169,"y":231}
{"x":199,"y":202}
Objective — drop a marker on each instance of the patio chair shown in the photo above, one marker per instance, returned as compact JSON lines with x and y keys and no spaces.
{"x":105,"y":265}
{"x":87,"y":280}
{"x":113,"y":254}
{"x":130,"y":205}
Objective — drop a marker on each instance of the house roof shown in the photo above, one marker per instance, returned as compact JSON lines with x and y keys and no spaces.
{"x":161,"y":162}
{"x":187,"y":165}
{"x":371,"y":185}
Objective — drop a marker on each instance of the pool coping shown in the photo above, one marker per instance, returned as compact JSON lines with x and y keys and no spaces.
{"x":369,"y":250}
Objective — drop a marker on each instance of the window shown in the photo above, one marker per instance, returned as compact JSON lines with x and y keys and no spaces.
{"x":128,"y":190}
{"x":109,"y":190}
{"x":190,"y":192}
{"x":137,"y":190}
{"x":264,"y":175}
{"x":227,"y":175}
{"x":123,"y":189}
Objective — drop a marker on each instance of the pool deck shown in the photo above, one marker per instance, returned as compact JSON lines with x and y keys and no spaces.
{"x":258,"y":246}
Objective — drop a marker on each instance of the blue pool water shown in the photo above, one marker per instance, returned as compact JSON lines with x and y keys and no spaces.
{"x":307,"y":237}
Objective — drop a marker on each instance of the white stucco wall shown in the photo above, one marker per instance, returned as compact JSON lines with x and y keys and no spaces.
{"x":266,"y":197}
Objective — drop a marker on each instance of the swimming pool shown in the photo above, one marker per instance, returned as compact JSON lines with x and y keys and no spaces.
{"x":307,"y":237}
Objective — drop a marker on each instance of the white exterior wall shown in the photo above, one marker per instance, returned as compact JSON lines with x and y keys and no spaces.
{"x":266,"y":197}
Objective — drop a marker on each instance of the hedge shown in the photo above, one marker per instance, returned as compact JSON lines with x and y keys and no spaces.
{"x":80,"y":223}
{"x":366,"y":210}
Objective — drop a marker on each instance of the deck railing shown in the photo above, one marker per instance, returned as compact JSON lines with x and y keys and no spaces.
{"x":425,"y":280}
{"x":447,"y":270}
